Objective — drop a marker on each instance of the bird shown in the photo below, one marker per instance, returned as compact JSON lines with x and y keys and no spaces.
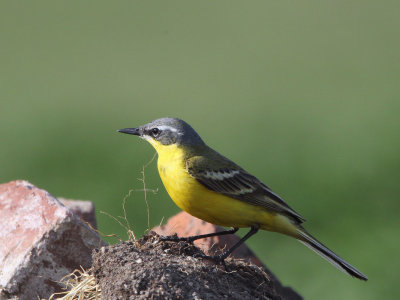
{"x":213,"y":188}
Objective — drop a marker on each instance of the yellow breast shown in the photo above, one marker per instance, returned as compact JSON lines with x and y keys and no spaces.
{"x":197,"y":200}
{"x":178,"y":183}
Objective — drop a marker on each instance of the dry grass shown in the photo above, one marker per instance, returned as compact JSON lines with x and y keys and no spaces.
{"x":79,"y":285}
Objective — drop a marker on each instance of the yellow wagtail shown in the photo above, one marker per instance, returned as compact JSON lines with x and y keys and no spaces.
{"x":211,"y":187}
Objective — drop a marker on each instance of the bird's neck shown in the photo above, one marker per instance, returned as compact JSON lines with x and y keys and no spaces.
{"x":175,"y":154}
{"x":169,"y":153}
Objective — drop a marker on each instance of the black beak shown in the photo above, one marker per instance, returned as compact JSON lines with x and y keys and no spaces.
{"x":134,"y":131}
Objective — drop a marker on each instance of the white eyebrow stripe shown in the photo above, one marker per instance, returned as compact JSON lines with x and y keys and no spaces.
{"x":165,"y":127}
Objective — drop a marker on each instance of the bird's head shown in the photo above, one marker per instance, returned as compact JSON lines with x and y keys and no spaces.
{"x":166,"y":132}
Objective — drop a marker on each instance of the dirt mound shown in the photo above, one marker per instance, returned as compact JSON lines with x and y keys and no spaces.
{"x":155,"y":269}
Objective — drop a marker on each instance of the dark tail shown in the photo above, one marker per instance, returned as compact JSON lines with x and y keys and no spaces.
{"x":323,"y":251}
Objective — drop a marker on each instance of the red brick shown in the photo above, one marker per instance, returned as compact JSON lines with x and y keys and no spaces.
{"x":84,"y":209}
{"x":41,"y":241}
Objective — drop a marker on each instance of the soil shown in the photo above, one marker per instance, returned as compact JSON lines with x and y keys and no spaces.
{"x":155,"y":269}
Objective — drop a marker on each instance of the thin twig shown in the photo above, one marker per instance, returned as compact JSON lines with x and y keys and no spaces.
{"x":145,"y":189}
{"x":131,"y":233}
{"x":103,"y":234}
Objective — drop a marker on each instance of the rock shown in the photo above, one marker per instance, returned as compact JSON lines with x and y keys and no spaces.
{"x":84,"y":209}
{"x":41,"y":241}
{"x":185,"y":225}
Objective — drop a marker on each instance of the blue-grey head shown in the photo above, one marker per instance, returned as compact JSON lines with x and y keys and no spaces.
{"x":166,"y":131}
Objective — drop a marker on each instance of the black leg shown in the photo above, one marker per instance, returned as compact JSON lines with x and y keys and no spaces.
{"x":221,"y":257}
{"x":190,"y":239}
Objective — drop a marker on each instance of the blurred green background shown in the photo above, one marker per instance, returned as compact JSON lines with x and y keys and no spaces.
{"x":305,"y":95}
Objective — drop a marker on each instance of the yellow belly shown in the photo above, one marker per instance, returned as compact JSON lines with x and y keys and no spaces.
{"x":210,"y":206}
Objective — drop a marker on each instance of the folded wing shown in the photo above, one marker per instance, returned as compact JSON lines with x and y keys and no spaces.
{"x":227,"y":178}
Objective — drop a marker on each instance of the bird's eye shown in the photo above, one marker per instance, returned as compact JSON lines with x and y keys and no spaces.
{"x":155,"y":132}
